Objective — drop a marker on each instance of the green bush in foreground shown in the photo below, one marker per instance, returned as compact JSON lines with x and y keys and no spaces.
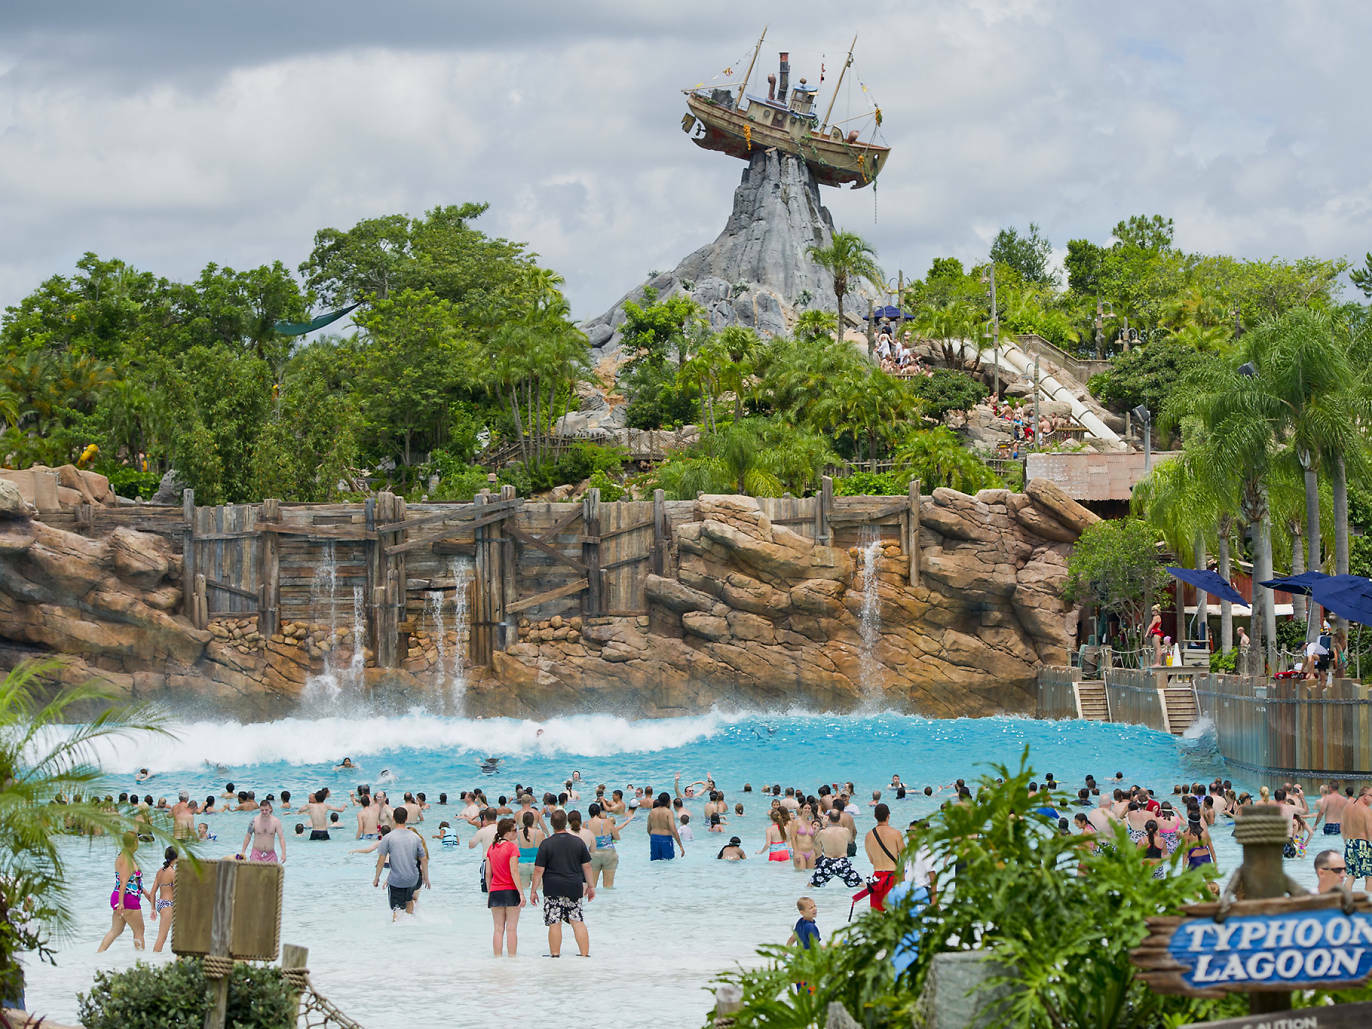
{"x":1018,"y":898}
{"x":173,"y":997}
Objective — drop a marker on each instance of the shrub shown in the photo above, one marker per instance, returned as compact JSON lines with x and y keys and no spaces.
{"x":1224,"y":660}
{"x":871,"y":484}
{"x":946,"y":390}
{"x":130,"y":482}
{"x":610,"y":491}
{"x":173,"y":997}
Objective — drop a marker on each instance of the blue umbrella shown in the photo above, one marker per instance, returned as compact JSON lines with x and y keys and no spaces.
{"x":1209,"y":581}
{"x":1348,"y":596}
{"x":1302,"y":583}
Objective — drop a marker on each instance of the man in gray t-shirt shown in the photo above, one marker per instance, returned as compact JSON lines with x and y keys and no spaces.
{"x":409,"y":864}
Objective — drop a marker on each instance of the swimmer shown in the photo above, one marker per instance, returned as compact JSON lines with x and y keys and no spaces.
{"x":143,"y":775}
{"x":345,"y":765}
{"x":386,"y":776}
{"x":732,"y":851}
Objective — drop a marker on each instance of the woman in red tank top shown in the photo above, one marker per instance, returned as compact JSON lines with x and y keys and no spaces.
{"x":503,"y":895}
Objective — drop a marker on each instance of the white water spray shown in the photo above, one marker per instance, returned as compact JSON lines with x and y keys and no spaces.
{"x":869,"y":619}
{"x":324,"y":687}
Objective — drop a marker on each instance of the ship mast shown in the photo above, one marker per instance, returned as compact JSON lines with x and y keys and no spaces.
{"x":757,"y":50}
{"x":825,"y":124}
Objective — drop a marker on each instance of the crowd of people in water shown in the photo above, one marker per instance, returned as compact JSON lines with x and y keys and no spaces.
{"x":539,"y":848}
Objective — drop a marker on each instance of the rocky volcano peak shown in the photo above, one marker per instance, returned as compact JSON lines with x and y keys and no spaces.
{"x":757,"y":273}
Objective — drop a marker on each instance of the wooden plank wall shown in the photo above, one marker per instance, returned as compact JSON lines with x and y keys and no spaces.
{"x":1280,"y":725}
{"x":228,"y":554}
{"x":1133,"y":697}
{"x":515,"y":559}
{"x":1057,"y":696}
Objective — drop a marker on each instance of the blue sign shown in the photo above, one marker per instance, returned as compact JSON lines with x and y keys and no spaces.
{"x":1299,"y":949}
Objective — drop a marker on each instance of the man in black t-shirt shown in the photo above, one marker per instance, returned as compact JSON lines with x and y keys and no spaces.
{"x":563,"y":869}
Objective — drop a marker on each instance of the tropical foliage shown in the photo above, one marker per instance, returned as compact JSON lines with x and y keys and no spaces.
{"x":173,"y":996}
{"x":47,"y":773}
{"x":1057,"y":916}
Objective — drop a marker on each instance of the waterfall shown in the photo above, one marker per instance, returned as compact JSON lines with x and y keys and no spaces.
{"x":869,"y":619}
{"x":461,"y":572}
{"x":358,"y":665}
{"x":324,"y":609}
{"x":433,"y":614}
{"x":449,"y":671}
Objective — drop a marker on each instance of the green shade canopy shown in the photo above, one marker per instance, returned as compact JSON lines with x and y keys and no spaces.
{"x":300,"y":328}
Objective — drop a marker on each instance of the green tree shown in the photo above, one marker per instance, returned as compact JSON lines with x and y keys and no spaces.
{"x":1362,"y":277}
{"x":757,"y":457}
{"x":1027,"y":254}
{"x":847,"y":258}
{"x":47,"y":751}
{"x":1114,"y":566}
{"x":1147,"y":375}
{"x":937,"y":458}
{"x":946,"y":390}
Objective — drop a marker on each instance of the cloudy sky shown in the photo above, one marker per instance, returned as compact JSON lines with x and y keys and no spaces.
{"x":169,"y":139}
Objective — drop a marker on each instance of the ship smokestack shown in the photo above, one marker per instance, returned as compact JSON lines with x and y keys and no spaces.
{"x":785,"y":76}
{"x":771,"y":87}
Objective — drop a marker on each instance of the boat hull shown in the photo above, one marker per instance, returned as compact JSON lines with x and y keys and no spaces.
{"x":832,"y":162}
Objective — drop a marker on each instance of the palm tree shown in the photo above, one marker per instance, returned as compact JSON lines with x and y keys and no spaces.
{"x":1301,"y":383}
{"x":1174,"y":500}
{"x":46,"y":772}
{"x":848,"y":256}
{"x":952,"y":325}
{"x":812,"y":326}
{"x":1232,"y":461}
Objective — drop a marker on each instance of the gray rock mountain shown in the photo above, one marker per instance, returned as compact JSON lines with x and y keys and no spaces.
{"x":757,"y":272}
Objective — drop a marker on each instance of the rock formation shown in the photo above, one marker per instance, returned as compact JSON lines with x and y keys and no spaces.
{"x":751,"y":614}
{"x":757,"y":272}
{"x":760,"y":616}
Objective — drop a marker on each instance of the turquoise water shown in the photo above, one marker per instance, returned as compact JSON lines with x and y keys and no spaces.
{"x":660,"y":935}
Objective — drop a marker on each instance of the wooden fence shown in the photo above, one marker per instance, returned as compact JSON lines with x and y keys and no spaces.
{"x":1279,"y":725}
{"x":1273,"y":726}
{"x":1133,"y":697}
{"x":397,"y":568}
{"x":1057,"y":696}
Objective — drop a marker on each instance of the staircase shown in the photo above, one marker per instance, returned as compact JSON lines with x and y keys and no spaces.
{"x":1092,"y":704}
{"x":1179,"y":708}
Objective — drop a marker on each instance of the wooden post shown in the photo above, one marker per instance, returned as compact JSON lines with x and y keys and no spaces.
{"x":375,"y":580}
{"x":1262,"y":830}
{"x":912,"y":532}
{"x":188,"y":553}
{"x":481,"y":593}
{"x":400,"y":592}
{"x":659,"y":532}
{"x":269,"y":573}
{"x":593,"y":602}
{"x":509,"y":589}
{"x":824,"y":507}
{"x":221,"y":934}
{"x":201,"y":616}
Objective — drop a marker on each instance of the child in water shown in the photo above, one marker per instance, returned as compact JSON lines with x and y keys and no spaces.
{"x":805,"y":930}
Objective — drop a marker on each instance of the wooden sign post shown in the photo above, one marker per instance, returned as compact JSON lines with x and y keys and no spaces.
{"x":1267,"y":945}
{"x":230,"y":912}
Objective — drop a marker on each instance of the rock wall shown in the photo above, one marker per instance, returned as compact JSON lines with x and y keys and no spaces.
{"x":752,"y":614}
{"x":759,"y":615}
{"x":757,"y":272}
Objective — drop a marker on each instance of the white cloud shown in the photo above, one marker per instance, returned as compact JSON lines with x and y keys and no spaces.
{"x":1243,"y":123}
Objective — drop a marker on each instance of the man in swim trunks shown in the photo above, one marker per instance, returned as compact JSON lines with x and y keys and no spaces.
{"x":1329,"y":809}
{"x":319,"y":815}
{"x":183,"y":817}
{"x":832,"y":861}
{"x":662,"y":831}
{"x":263,"y":832}
{"x":1357,"y":828}
{"x":409,"y":865}
{"x":883,"y":843}
{"x":563,"y":869}
{"x":366,"y":818}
